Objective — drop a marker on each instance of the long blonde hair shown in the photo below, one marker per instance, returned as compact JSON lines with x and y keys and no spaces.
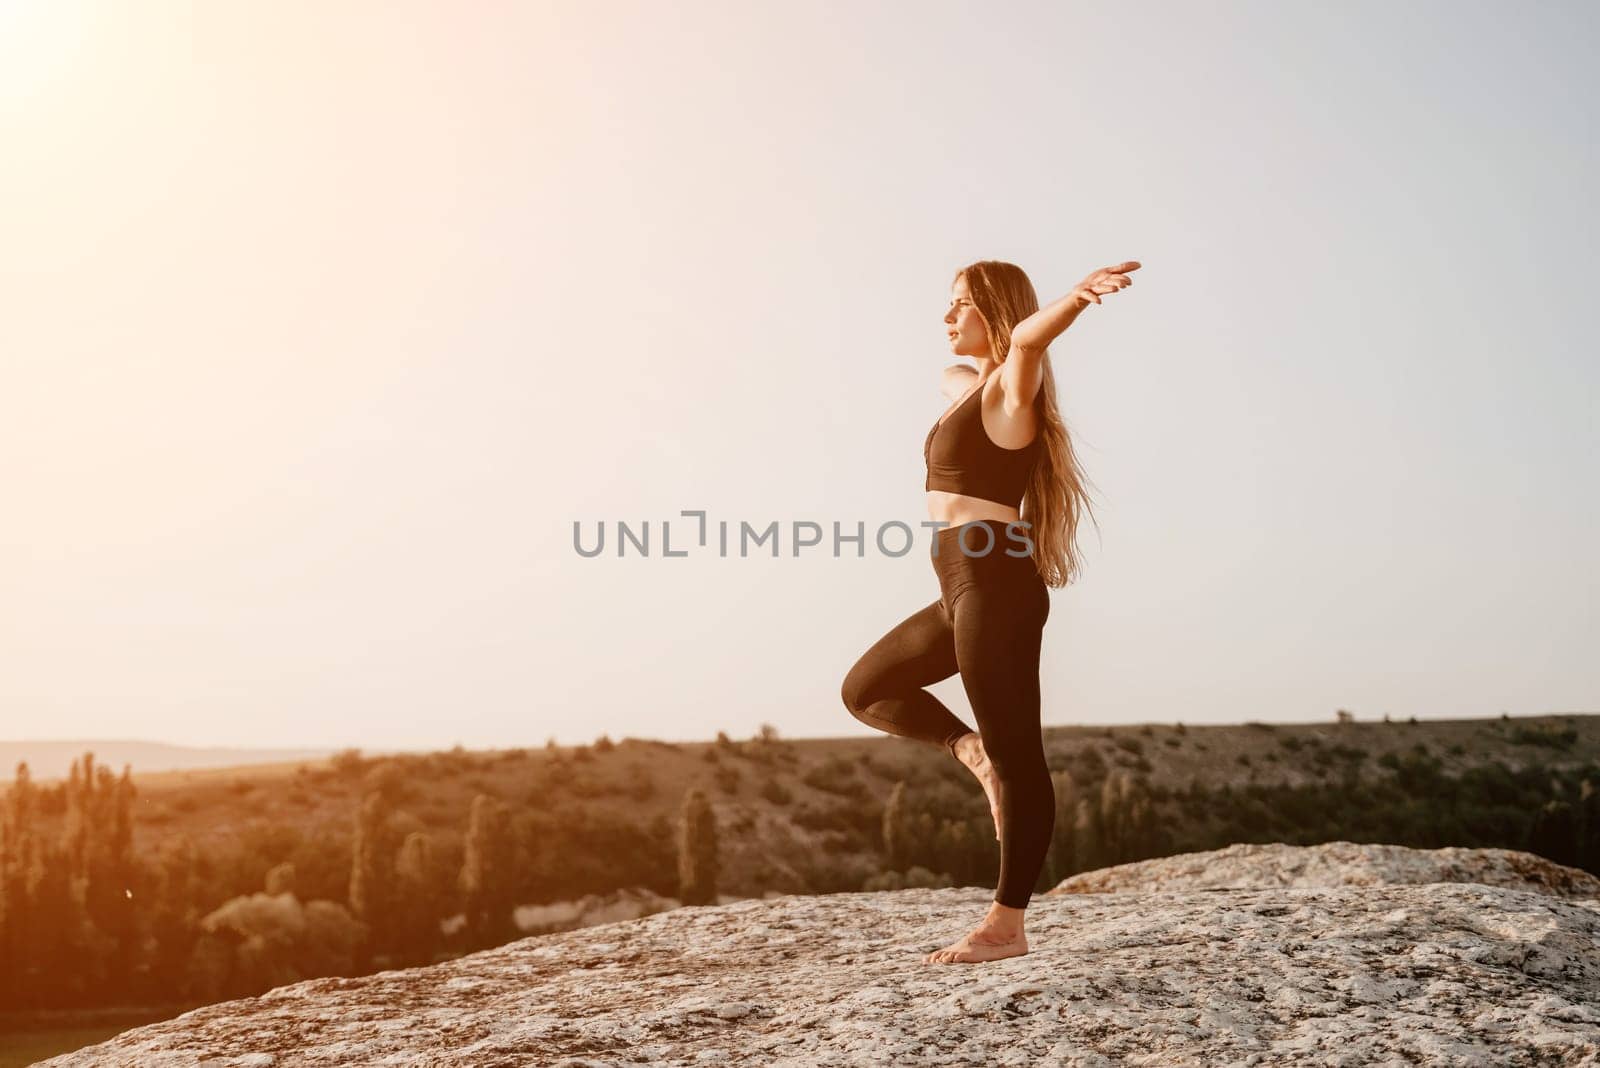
{"x":1057,"y":494}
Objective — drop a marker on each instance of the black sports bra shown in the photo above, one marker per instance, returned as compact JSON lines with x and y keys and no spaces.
{"x":964,"y":459}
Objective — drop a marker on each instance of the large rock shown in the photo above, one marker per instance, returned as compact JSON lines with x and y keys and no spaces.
{"x":1331,"y":962}
{"x":1336,"y":864}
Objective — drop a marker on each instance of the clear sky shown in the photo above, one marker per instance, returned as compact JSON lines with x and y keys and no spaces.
{"x":321,"y":324}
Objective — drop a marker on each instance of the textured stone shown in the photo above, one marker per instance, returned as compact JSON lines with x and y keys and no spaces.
{"x":1336,"y":954}
{"x":1336,"y":864}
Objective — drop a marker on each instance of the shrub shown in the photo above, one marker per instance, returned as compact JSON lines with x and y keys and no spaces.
{"x":827,"y":871}
{"x":347,"y":761}
{"x":1137,"y":762}
{"x":839,"y":816}
{"x":588,"y":787}
{"x":776,"y":792}
{"x":1554,"y":739}
{"x":915,"y":876}
{"x":836,"y":775}
{"x":389,"y":779}
{"x":641,"y":784}
{"x":457,"y":760}
{"x":1086,"y":764}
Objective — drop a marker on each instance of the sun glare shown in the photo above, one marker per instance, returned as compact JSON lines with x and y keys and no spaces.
{"x":38,"y":41}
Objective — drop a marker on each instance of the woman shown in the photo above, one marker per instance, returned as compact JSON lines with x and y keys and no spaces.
{"x":1002,"y":474}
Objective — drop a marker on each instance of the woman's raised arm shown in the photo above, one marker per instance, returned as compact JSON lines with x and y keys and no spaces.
{"x":1023,"y":370}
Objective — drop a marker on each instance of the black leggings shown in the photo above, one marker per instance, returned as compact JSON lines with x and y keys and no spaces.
{"x":987,"y":624}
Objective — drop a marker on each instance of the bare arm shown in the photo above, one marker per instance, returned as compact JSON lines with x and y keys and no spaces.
{"x":1023,"y":370}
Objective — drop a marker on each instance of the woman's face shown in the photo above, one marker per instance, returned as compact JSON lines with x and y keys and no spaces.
{"x":964,"y":324}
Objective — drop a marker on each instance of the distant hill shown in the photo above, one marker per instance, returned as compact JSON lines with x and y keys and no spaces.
{"x":53,"y":759}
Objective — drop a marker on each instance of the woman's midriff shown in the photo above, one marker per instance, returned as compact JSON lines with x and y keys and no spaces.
{"x":958,"y":508}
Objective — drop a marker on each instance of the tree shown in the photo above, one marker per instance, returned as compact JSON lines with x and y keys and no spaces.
{"x":1554,"y":832}
{"x":1063,"y":842}
{"x":372,"y":871}
{"x":697,"y":850}
{"x":960,"y":852}
{"x":174,"y":919}
{"x":258,"y":941}
{"x":100,"y":921}
{"x":1088,"y":850}
{"x":280,"y":880}
{"x":897,"y":829}
{"x":60,"y":947}
{"x":16,"y":912}
{"x":487,"y":872}
{"x":118,"y":910}
{"x":1588,"y":826}
{"x":1113,"y":813}
{"x":421,"y":901}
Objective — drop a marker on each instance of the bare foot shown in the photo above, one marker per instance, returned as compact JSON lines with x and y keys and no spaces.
{"x":970,"y":751}
{"x":983,"y":943}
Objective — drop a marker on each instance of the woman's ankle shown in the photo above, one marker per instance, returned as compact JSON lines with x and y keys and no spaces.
{"x":1005,"y":917}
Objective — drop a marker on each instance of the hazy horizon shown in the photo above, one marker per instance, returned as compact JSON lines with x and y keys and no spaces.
{"x":327,"y":323}
{"x":52,"y":759}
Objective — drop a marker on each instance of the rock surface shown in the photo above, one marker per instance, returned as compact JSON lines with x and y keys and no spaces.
{"x":1335,"y":954}
{"x":1336,"y":864}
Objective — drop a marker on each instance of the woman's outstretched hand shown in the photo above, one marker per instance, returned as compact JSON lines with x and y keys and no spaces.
{"x":1105,"y":280}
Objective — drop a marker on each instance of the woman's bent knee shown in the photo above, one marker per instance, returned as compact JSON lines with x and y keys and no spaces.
{"x":859,"y":688}
{"x":852,"y":693}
